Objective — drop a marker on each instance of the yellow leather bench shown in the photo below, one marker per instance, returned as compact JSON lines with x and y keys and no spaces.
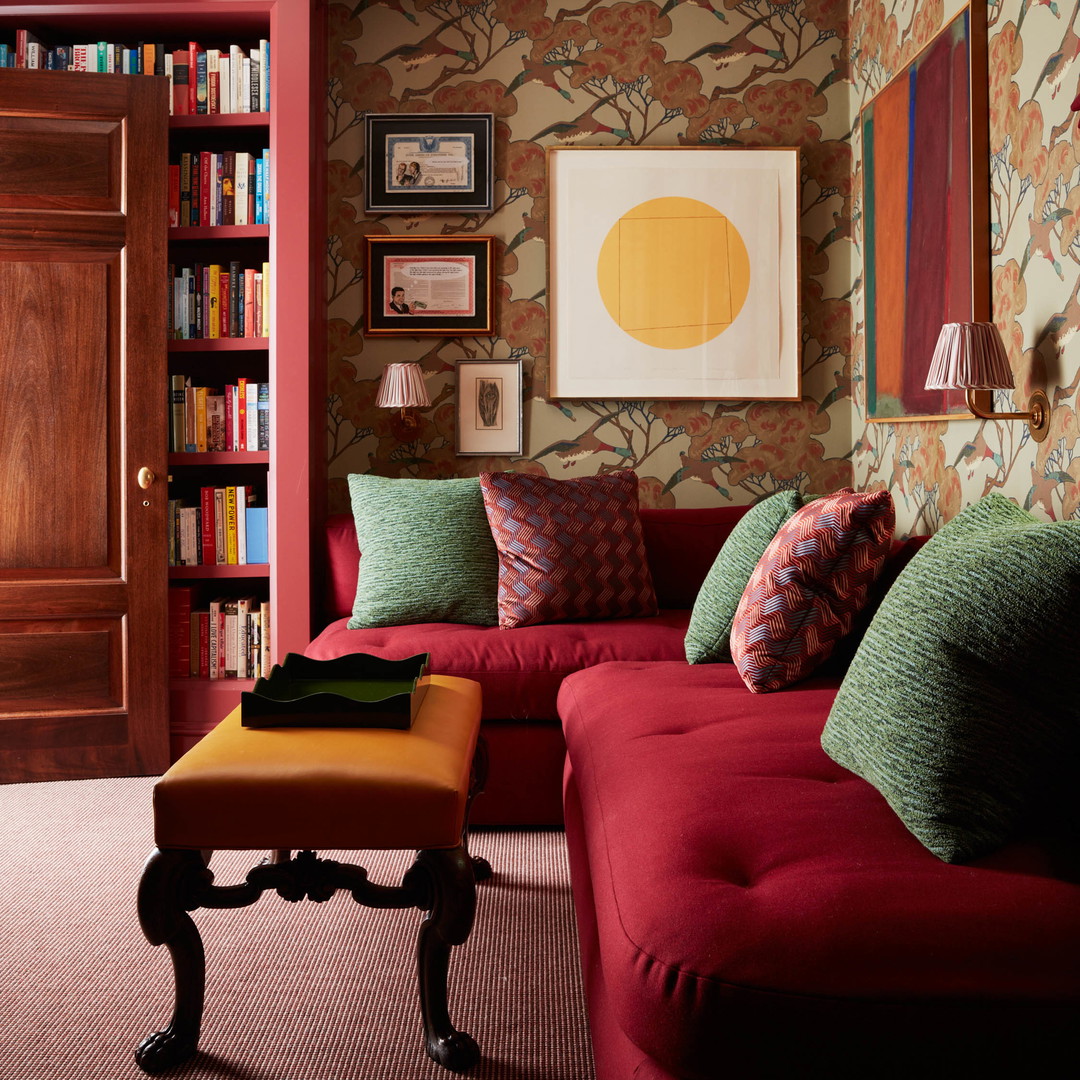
{"x":285,"y":789}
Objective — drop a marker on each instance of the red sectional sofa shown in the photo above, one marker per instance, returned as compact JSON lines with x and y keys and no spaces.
{"x":746,"y":906}
{"x":521,"y":670}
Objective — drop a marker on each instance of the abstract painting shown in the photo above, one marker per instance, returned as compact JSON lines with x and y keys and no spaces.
{"x":926,"y":231}
{"x":674,"y":273}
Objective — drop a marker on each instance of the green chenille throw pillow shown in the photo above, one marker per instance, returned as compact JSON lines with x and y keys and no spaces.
{"x":426,"y":552}
{"x":714,"y":609}
{"x":960,"y":705}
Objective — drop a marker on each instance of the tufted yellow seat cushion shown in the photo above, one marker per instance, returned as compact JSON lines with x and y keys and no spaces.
{"x":343,"y":788}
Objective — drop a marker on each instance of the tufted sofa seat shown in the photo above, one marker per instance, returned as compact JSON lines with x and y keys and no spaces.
{"x":747,"y":907}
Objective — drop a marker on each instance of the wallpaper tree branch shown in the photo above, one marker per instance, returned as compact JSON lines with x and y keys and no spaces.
{"x":733,"y":74}
{"x":723,"y":74}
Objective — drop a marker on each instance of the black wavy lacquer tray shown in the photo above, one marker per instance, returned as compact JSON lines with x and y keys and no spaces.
{"x":357,"y":690}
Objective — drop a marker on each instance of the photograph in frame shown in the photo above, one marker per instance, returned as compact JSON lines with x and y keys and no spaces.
{"x":674,"y":273}
{"x":435,"y":162}
{"x":489,"y":407}
{"x":429,"y":285}
{"x":926,"y":215}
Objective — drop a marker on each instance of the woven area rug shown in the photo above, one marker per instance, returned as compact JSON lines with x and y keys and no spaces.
{"x":294,"y":991}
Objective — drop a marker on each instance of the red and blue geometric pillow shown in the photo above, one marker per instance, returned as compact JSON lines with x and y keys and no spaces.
{"x":568,"y":549}
{"x":806,"y":590}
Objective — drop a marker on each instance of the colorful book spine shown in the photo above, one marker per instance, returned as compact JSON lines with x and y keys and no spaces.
{"x":206,"y":505}
{"x":230,"y":525}
{"x":264,"y":416}
{"x":176,"y":402}
{"x":240,"y":414}
{"x":258,"y":548}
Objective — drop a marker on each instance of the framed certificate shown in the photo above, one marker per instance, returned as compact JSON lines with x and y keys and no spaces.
{"x":425,"y":286}
{"x":435,"y":162}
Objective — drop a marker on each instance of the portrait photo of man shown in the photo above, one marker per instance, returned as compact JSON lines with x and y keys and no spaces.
{"x":397,"y":301}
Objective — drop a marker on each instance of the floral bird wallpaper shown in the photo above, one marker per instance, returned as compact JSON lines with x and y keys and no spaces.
{"x":605,"y":74}
{"x":729,"y":73}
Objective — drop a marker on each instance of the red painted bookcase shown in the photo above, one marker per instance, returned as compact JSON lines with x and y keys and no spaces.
{"x":289,"y":477}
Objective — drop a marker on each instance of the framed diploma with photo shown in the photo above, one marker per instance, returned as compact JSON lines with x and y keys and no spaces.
{"x":488,"y":407}
{"x":433,"y":162}
{"x":427,"y":286}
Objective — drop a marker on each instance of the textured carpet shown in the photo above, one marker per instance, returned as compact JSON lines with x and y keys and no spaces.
{"x":294,"y":991}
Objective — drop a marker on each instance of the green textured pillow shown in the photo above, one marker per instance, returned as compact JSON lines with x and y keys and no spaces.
{"x":714,"y":609}
{"x":960,"y":705}
{"x":426,"y":552}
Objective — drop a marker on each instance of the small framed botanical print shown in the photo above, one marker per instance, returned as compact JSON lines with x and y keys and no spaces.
{"x":489,"y":407}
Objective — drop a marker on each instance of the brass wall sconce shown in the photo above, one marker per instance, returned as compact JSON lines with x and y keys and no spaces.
{"x":971,"y":356}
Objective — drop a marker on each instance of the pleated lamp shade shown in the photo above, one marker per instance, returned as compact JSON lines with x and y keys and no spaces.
{"x":402,"y":387}
{"x":970,"y":355}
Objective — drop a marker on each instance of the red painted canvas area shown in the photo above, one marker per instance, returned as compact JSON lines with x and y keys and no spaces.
{"x":919,"y":257}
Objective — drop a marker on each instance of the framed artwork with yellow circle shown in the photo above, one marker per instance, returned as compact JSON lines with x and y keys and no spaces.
{"x":673,"y":273}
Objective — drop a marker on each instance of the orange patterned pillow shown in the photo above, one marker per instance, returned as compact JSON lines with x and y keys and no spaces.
{"x":807,"y":588}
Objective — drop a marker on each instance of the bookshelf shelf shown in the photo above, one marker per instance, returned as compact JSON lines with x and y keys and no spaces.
{"x":219,"y":232}
{"x":247,"y":570}
{"x":231,"y":344}
{"x":221,"y":457}
{"x":203,"y":121}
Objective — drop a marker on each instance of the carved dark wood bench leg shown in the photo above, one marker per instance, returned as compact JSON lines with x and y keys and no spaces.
{"x":170,"y":879}
{"x":478,"y":778}
{"x":452,"y":905}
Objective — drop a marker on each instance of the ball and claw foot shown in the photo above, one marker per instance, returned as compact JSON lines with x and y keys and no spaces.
{"x":164,"y":1049}
{"x":482,"y":868}
{"x":456,"y":1052}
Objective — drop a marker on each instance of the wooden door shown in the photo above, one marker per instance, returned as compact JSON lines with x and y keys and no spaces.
{"x":83,"y":578}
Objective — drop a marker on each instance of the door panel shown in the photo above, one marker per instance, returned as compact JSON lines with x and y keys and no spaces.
{"x":83,"y":581}
{"x":54,"y":385}
{"x":73,"y":164}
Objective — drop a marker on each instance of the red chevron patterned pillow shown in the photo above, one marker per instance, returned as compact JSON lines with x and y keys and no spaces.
{"x":568,"y":549}
{"x":807,"y":588}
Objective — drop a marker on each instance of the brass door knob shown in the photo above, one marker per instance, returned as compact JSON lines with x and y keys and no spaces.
{"x":146,"y":477}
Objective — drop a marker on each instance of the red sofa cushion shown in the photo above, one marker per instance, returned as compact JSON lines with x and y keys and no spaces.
{"x":741,"y":880}
{"x":680,"y":546}
{"x":520,"y":669}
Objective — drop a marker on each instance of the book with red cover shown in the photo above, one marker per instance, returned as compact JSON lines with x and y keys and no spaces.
{"x":196,"y":186}
{"x":180,"y":82}
{"x":193,"y":90}
{"x":206,"y":190}
{"x":174,"y":196}
{"x":181,"y":598}
{"x":240,"y":415}
{"x":204,"y":644}
{"x":206,"y":502}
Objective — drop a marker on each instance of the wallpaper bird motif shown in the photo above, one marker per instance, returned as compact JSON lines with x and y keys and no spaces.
{"x":935,"y":469}
{"x":727,"y":73}
{"x":602,"y":74}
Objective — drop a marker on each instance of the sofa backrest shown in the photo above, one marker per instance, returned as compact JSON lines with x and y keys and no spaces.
{"x":680,"y":545}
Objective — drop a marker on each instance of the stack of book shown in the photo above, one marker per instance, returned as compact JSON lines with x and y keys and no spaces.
{"x":229,"y":638}
{"x":230,"y":187}
{"x":210,"y":300}
{"x":222,"y":529}
{"x":228,"y":80}
{"x":203,"y":419}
